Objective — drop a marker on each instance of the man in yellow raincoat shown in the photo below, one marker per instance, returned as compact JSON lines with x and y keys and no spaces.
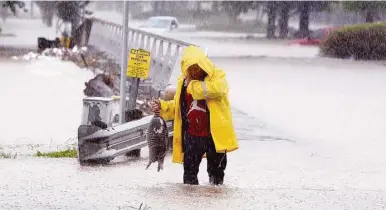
{"x":202,"y":117}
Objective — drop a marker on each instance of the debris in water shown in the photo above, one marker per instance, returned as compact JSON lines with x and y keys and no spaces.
{"x":75,"y":49}
{"x":29,"y":56}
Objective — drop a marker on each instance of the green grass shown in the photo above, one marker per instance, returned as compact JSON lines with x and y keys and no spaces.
{"x":4,"y":155}
{"x":68,"y":153}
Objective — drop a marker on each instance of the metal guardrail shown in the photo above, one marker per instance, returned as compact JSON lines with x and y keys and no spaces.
{"x":165,"y":52}
{"x":105,"y":144}
{"x":96,"y":143}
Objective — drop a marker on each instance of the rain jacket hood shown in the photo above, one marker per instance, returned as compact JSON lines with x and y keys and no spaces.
{"x":214,"y":89}
{"x":194,"y":55}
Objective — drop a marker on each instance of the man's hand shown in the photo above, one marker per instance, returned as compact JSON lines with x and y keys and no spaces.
{"x":155,"y":105}
{"x":187,"y":80}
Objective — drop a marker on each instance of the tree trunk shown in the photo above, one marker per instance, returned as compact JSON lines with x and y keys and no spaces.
{"x":74,"y":26}
{"x":258,"y":13}
{"x":3,"y":13}
{"x":234,"y":17}
{"x":198,"y":6}
{"x":271,"y":20}
{"x":157,"y":8}
{"x":50,"y":19}
{"x":284,"y":18}
{"x":262,"y":13}
{"x":304,"y":19}
{"x":370,"y":13}
{"x":215,"y":7}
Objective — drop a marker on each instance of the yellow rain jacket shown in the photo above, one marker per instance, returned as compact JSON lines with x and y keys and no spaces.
{"x":214,"y":89}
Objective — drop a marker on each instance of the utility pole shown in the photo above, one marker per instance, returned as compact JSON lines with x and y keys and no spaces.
{"x":133,"y":94}
{"x":124,"y":62}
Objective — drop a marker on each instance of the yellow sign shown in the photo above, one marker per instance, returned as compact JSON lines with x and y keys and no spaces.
{"x":139,"y":63}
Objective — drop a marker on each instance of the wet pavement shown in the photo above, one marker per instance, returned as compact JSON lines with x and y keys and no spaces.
{"x":262,"y":175}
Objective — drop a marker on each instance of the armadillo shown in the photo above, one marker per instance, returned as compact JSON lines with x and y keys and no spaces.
{"x":157,"y":140}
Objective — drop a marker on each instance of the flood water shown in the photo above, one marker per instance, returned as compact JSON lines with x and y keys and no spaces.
{"x":310,"y":130}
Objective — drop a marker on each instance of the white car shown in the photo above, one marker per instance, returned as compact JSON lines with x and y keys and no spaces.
{"x":162,"y":24}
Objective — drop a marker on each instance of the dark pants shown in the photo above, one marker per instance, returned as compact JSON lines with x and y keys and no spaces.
{"x":194,"y":148}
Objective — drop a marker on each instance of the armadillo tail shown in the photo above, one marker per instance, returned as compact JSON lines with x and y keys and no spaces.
{"x":160,"y":165}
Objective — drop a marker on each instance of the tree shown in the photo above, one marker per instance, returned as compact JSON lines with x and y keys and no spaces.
{"x":235,"y":8}
{"x":12,"y":5}
{"x":215,"y":7}
{"x":304,"y":9}
{"x":271,"y":13}
{"x":70,"y":11}
{"x":304,"y":18}
{"x":48,"y":10}
{"x":282,"y":10}
{"x":159,"y":7}
{"x":285,"y":8}
{"x":368,"y":7}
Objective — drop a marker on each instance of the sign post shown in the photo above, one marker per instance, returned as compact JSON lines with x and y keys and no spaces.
{"x":138,"y":67}
{"x":124,"y":62}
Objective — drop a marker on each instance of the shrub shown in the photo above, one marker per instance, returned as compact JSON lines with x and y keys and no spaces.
{"x":364,"y":41}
